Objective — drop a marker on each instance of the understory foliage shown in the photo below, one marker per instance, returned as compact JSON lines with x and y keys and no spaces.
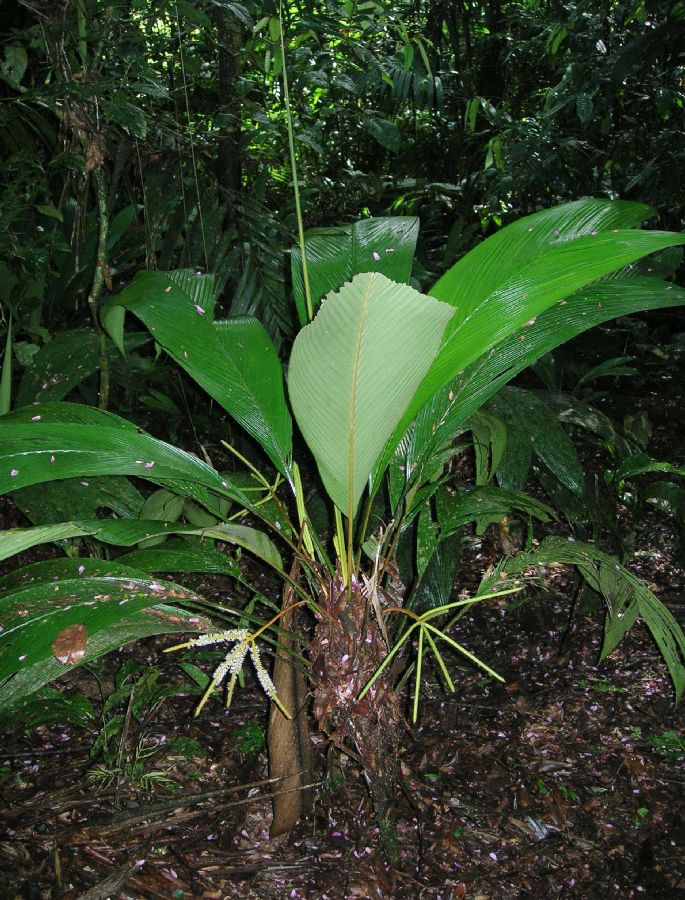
{"x":166,"y":122}
{"x":382,"y":384}
{"x":340,"y":392}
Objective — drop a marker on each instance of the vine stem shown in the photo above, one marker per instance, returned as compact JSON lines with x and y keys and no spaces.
{"x":99,"y":279}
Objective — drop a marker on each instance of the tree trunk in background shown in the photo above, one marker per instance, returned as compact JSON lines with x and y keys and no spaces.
{"x":490,"y":78}
{"x":229,"y":172}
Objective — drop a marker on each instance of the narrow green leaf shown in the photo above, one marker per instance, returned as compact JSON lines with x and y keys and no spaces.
{"x":182,"y":557}
{"x":127,"y":532}
{"x":510,"y":250}
{"x":506,"y":284}
{"x":6,"y":377}
{"x":515,"y":304}
{"x":640,"y":463}
{"x":112,"y":319}
{"x":490,"y":436}
{"x":105,"y":603}
{"x":34,"y":616}
{"x":626,"y":596}
{"x":445,"y":415}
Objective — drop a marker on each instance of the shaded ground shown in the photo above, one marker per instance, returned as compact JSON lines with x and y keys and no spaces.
{"x":568,"y":780}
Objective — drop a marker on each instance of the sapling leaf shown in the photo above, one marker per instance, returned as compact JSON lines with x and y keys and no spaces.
{"x":233,"y":360}
{"x":353,"y":371}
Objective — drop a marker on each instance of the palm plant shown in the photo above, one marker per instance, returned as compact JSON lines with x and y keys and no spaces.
{"x":380,"y":385}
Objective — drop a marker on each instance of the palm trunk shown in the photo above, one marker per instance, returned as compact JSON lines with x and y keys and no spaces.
{"x":347,"y":648}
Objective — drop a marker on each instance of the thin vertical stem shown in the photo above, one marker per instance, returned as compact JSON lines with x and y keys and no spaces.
{"x":192,"y":142}
{"x":293,"y":166}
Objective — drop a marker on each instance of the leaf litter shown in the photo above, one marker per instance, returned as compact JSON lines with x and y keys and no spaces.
{"x":567,"y":780}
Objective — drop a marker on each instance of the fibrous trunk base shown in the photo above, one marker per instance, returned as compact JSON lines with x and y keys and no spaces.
{"x":348,"y":646}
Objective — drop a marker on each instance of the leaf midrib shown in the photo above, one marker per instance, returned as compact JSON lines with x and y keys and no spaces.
{"x":363,"y":312}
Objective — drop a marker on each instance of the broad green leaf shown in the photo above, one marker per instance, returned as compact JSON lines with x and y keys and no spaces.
{"x":121,"y":222}
{"x":112,"y":604}
{"x":234,"y":361}
{"x":445,"y":415}
{"x":353,"y":371}
{"x":40,"y":452}
{"x":198,"y":286}
{"x":127,"y":532}
{"x":336,"y":255}
{"x":70,"y":498}
{"x":130,"y":117}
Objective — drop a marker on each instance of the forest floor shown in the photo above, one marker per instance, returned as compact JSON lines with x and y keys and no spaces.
{"x":566,"y":780}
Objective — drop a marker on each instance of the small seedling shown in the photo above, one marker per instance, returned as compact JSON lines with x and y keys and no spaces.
{"x":250,"y":740}
{"x":600,"y":685}
{"x":569,"y":794}
{"x":669,"y":745}
{"x":641,"y":817}
{"x":542,"y":788}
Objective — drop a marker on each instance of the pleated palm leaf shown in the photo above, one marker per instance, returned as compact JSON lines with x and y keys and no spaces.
{"x":380,"y":384}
